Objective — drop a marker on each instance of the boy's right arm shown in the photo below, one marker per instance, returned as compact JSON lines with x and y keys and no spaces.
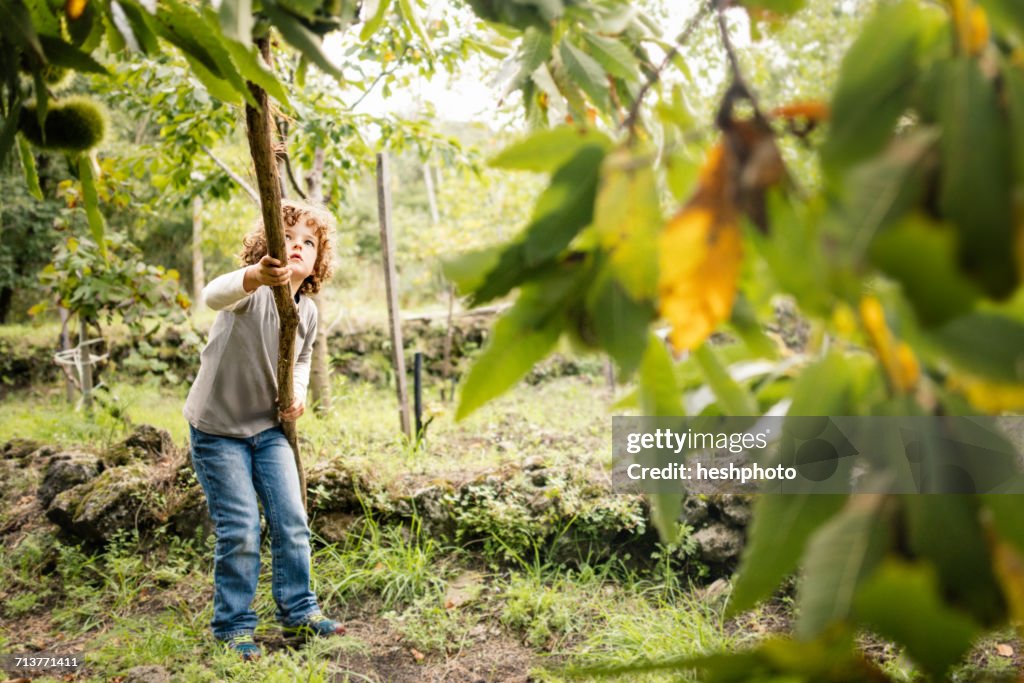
{"x":227,"y":291}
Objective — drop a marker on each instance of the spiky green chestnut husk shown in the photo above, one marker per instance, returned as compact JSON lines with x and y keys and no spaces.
{"x":75,"y":124}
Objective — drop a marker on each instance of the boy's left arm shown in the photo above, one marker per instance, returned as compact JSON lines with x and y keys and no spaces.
{"x":303,"y":361}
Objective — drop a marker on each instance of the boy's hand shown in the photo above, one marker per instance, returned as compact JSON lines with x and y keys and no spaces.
{"x":268,"y":271}
{"x":293,"y":413}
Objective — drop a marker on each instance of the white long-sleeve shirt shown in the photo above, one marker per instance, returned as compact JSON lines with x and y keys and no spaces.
{"x":235,"y":391}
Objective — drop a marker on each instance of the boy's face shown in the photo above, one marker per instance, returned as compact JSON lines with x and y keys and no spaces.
{"x":301,"y":245}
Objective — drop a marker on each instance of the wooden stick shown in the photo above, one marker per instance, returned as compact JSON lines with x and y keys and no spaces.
{"x":261,"y":148}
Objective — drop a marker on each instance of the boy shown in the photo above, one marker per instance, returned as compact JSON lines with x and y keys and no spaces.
{"x":239,"y":452}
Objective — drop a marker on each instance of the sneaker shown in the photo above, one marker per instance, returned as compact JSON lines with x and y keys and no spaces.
{"x":245,"y":647}
{"x":316,"y":625}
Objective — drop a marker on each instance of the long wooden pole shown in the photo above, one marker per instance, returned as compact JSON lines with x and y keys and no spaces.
{"x":391,"y":284}
{"x":260,"y":129}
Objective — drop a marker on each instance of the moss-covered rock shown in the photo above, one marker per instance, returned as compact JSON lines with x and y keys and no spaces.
{"x":16,"y":449}
{"x":120,"y":498}
{"x":65,"y":471}
{"x":146,"y":443}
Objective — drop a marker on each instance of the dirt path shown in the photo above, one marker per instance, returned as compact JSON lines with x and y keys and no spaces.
{"x":379,"y":654}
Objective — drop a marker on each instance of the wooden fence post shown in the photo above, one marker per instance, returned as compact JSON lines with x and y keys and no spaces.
{"x":391,"y":285}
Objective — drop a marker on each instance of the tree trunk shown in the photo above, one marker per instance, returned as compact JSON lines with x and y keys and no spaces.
{"x":320,"y":371}
{"x":259,"y":127}
{"x":198,"y":275}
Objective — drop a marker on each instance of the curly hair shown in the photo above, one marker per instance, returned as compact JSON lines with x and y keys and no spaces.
{"x":254,"y":245}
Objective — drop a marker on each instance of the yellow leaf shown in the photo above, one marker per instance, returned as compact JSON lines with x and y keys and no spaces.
{"x":979,"y":31}
{"x":987,"y":396}
{"x":898,"y":360}
{"x":627,"y":219}
{"x":699,"y":264}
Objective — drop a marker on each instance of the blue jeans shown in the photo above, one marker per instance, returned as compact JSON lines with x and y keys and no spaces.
{"x":234,"y":473}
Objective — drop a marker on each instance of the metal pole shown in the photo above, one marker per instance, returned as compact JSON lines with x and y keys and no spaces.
{"x":417,"y":378}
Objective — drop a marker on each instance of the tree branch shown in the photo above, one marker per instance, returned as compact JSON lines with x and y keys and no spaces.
{"x":382,"y":74}
{"x":632,"y":118}
{"x":253,"y":195}
{"x":260,"y":133}
{"x":739,"y":84}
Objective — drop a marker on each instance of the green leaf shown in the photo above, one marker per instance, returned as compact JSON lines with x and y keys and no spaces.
{"x":627,"y":220}
{"x":140,"y":24}
{"x":17,"y":26}
{"x":586,"y":72}
{"x":252,"y":68}
{"x":97,"y":225}
{"x":881,"y":190}
{"x":467,"y":271}
{"x":975,"y":191}
{"x":306,"y":9}
{"x":217,"y":87}
{"x":778,"y":535}
{"x":235,"y":19}
{"x":983,"y":344}
{"x":377,"y":11}
{"x":965,"y":570}
{"x":250,"y":65}
{"x":840,"y":555}
{"x":546,"y":150}
{"x":67,"y":55}
{"x":777,"y":6}
{"x":1006,"y":11}
{"x":1013,"y":78}
{"x":523,"y":336}
{"x":732,"y":398}
{"x":616,"y":58}
{"x":931,"y":280}
{"x":903,"y":603}
{"x":874,"y":85}
{"x":302,"y":39}
{"x":744,"y":320}
{"x":28,"y":166}
{"x":176,"y":23}
{"x":564,"y":208}
{"x":681,"y":174}
{"x":823,"y":388}
{"x":620,"y":322}
{"x":411,"y":18}
{"x":82,"y":28}
{"x":534,"y":51}
{"x":659,"y":395}
{"x":1007,"y":515}
{"x":793,"y":253}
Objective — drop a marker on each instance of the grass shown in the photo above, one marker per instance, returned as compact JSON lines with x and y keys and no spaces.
{"x":563,"y":420}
